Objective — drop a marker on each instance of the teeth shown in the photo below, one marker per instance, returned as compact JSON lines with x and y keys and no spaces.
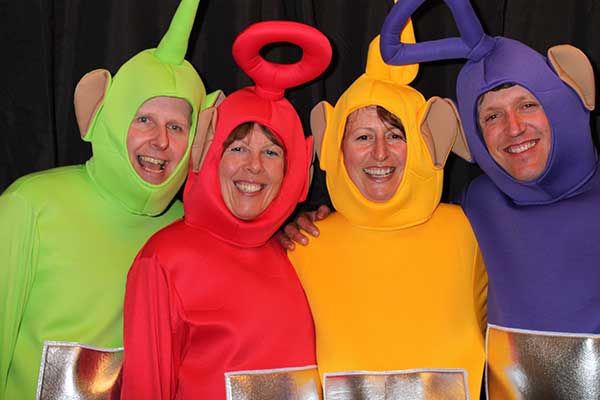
{"x":379,"y":172}
{"x":521,"y":148}
{"x":248,"y":187}
{"x":152,"y":160}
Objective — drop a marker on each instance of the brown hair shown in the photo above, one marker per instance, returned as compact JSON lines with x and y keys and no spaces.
{"x":389,"y":119}
{"x":242,"y":130}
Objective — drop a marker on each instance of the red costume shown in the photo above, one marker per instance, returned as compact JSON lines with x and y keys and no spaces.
{"x":211,"y":294}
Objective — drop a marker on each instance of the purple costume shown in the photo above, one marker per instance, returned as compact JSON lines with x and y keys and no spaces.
{"x":538,"y":238}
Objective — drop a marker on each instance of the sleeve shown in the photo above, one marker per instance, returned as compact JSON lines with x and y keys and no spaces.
{"x":18,"y":248}
{"x":480,"y":289}
{"x":150,"y":335}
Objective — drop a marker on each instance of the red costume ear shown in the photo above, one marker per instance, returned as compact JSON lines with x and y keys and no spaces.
{"x":272,"y":79}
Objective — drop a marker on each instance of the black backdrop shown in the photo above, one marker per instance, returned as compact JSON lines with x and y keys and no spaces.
{"x":47,"y":45}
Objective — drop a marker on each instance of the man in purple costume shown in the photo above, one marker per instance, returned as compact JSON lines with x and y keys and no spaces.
{"x":536,"y":211}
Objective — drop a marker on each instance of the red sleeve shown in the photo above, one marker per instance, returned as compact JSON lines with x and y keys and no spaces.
{"x":152,"y":332}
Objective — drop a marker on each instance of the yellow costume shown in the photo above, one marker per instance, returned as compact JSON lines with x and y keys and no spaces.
{"x":399,"y":285}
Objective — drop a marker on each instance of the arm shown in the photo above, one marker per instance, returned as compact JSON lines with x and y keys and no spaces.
{"x":150,"y":332}
{"x":305,"y":221}
{"x":18,"y":246}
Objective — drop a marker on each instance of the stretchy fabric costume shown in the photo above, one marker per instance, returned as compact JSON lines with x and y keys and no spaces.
{"x":69,"y":235}
{"x":399,"y":285}
{"x":538,"y":238}
{"x":213,"y":294}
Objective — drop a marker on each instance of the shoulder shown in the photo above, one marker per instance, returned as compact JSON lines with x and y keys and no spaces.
{"x":43,"y":182}
{"x":179,"y":244}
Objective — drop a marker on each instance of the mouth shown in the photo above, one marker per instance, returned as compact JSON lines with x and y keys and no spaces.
{"x":249,"y":187}
{"x":379,"y":172}
{"x":151,"y":164}
{"x":521,"y":147}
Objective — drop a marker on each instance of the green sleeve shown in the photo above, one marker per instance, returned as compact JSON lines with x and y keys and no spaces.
{"x":18,"y":246}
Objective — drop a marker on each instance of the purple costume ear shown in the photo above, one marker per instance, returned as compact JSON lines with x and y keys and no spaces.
{"x":473,"y":44}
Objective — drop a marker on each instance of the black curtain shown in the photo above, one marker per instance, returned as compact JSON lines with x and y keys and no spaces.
{"x":48,"y":45}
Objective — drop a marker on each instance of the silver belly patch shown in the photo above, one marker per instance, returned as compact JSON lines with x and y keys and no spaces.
{"x":275,"y":384}
{"x":529,"y":365}
{"x":418,"y":384}
{"x":73,"y":371}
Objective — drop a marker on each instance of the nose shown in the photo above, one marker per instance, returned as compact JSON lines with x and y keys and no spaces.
{"x":160,"y":138}
{"x":255,"y":163}
{"x":380,"y":151}
{"x":515,"y":123}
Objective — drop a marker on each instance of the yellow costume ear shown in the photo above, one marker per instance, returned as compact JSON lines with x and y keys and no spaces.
{"x":442,"y":131}
{"x":320,"y":115}
{"x":89,"y":95}
{"x":574,"y":68}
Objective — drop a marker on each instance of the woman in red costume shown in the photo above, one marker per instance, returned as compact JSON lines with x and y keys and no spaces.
{"x":213,"y":308}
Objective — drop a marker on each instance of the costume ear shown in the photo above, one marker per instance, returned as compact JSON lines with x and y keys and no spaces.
{"x":441,"y":130}
{"x":318,"y":124}
{"x":89,"y":95}
{"x":213,"y":99}
{"x":574,"y":68}
{"x":205,"y":132}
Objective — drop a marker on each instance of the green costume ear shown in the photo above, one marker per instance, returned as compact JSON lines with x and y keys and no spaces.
{"x":207,"y":121}
{"x":89,"y":95}
{"x":160,"y":72}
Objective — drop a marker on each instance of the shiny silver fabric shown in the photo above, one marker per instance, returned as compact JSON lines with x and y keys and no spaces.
{"x":532,"y":365}
{"x":276,"y":384}
{"x":72,"y":371}
{"x":443,"y":384}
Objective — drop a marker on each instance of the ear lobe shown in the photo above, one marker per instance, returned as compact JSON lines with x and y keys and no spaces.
{"x":205,"y":132}
{"x":574,"y":68}
{"x":89,"y":96}
{"x":442,"y":131}
{"x":318,"y":125}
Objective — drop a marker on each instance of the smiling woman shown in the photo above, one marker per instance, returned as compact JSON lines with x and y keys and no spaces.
{"x":158,"y":137}
{"x":374,"y":148}
{"x":213,"y":307}
{"x":251,"y":170}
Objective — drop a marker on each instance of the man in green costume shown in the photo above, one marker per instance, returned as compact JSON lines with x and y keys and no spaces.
{"x":69,"y":235}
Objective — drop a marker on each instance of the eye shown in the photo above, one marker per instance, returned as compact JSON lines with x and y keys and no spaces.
{"x":362,"y":137}
{"x":530,"y":105}
{"x":273,"y":153}
{"x":235,"y":149}
{"x":490,"y":117}
{"x":396,"y":134}
{"x":143,"y":119}
{"x":175,"y":127}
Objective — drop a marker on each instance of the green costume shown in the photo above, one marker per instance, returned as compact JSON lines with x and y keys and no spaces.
{"x":69,"y":235}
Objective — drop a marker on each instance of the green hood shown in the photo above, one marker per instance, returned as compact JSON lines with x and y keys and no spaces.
{"x":151,"y":73}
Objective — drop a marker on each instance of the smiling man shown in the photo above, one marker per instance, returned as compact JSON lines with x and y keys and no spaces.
{"x":535,"y":211}
{"x":536,"y":216}
{"x":69,"y":235}
{"x":158,"y":137}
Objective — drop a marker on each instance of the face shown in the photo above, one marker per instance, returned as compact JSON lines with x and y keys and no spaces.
{"x":516,"y":131}
{"x":158,"y":137}
{"x":374,"y":154}
{"x":251,"y":172}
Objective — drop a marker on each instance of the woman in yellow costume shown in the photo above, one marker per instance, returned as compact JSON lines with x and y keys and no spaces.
{"x":395,"y":279}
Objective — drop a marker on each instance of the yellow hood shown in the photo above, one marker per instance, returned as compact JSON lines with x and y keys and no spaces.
{"x":419,"y":192}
